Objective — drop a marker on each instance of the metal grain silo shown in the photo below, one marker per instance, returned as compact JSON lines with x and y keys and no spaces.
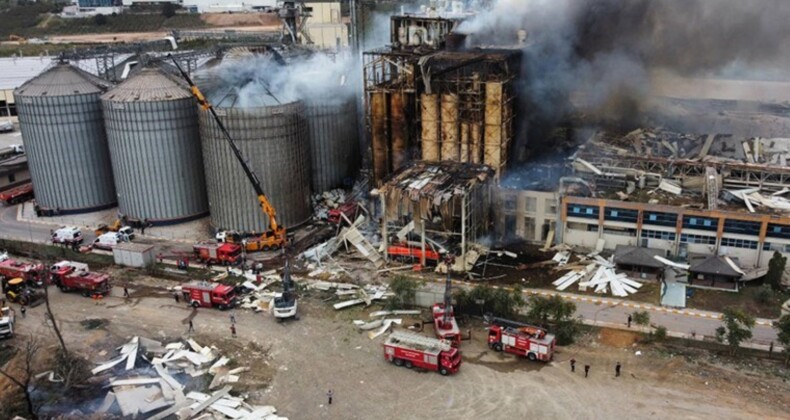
{"x":274,"y":141}
{"x":334,"y":145}
{"x":152,"y":130}
{"x":63,"y":132}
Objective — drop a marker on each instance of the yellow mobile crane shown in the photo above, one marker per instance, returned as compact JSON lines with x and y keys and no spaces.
{"x":275,"y":237}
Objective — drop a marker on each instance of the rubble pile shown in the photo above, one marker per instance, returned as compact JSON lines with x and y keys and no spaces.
{"x":326,"y":201}
{"x":377,"y":327}
{"x":156,"y":389}
{"x":595,"y":272}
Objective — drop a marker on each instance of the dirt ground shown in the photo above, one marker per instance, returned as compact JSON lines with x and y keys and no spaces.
{"x":241,"y":19}
{"x":295,"y":363}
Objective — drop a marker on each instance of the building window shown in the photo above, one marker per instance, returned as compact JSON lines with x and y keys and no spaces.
{"x":700,"y":223}
{"x":767,"y":246}
{"x":577,"y":210}
{"x":532,"y":204}
{"x":697,"y":239}
{"x":621,"y":215}
{"x":778,"y":231}
{"x":660,"y":219}
{"x":742,"y":227}
{"x":11,"y":178}
{"x":551,"y":206}
{"x":619,"y":231}
{"x":510,"y":202}
{"x":657,"y":234}
{"x":739,"y":243}
{"x":529,"y":228}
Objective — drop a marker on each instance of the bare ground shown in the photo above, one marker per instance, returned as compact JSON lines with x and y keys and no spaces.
{"x":294,"y":364}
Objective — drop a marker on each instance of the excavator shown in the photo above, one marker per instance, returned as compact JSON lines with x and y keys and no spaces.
{"x":275,"y":237}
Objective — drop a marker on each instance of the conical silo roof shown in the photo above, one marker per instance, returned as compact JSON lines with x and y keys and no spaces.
{"x":63,"y":79}
{"x":148,"y":85}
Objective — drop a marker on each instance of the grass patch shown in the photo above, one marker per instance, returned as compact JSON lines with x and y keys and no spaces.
{"x":745,"y":300}
{"x":55,"y":253}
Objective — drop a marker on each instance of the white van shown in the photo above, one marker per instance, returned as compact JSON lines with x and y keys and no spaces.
{"x":109,"y":240}
{"x":67,"y":235}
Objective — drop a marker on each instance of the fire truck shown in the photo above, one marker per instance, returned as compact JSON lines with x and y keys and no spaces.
{"x":444,"y":322}
{"x":29,"y":272}
{"x":75,"y":277}
{"x":209,"y":295}
{"x":218,"y":253}
{"x":529,"y":341}
{"x":413,"y":350}
{"x":17,"y":195}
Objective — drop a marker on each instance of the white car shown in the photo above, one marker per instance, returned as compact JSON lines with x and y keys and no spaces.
{"x":6,"y":126}
{"x":109,"y":240}
{"x":67,"y":235}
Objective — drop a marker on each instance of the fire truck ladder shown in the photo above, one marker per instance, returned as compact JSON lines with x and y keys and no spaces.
{"x":426,"y":343}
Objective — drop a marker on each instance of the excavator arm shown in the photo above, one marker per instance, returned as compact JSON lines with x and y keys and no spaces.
{"x":266,"y":205}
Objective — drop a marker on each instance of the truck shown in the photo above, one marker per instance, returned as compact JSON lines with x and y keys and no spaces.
{"x":413,"y":350}
{"x":209,"y":295}
{"x":18,"y":194}
{"x":31,"y":273}
{"x":217,"y":253}
{"x":116,"y":226}
{"x":7,"y":318}
{"x":528,"y":341}
{"x":74,"y":278}
{"x":68,"y":235}
{"x":444,"y":323}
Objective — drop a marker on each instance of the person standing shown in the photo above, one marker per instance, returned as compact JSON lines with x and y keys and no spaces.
{"x":617,"y":370}
{"x":329,"y":395}
{"x":191,"y":327}
{"x":233,"y":318}
{"x":586,"y":370}
{"x":629,"y":320}
{"x":573,"y":365}
{"x":175,"y":296}
{"x":125,"y":292}
{"x":233,"y":330}
{"x":23,"y":309}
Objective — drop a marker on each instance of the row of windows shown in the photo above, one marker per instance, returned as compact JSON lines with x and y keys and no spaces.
{"x":767,"y":246}
{"x":621,"y":215}
{"x":660,"y":219}
{"x":739,"y":243}
{"x":657,"y":234}
{"x":778,"y":231}
{"x":700,"y":223}
{"x":589,"y":212}
{"x":742,"y":226}
{"x":697,"y":239}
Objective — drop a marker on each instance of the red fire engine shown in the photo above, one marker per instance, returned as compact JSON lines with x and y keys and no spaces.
{"x":75,"y":277}
{"x":444,"y":322}
{"x":525,"y":340}
{"x":209,"y":295}
{"x":412,"y":350}
{"x":217,"y":253}
{"x":10,"y":268}
{"x":17,"y":195}
{"x":407,"y":251}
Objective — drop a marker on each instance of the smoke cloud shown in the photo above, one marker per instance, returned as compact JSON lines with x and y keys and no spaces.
{"x":259,"y":80}
{"x":601,"y":53}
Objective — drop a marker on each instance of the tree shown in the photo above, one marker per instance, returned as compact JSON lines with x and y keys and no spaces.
{"x":99,"y":20}
{"x":776,"y":269}
{"x":783,"y":333}
{"x":24,"y":378}
{"x":168,"y":10}
{"x":641,"y":318}
{"x":484,"y":300}
{"x":557,"y":312}
{"x":736,"y":329}
{"x":405,"y":290}
{"x":764,"y":295}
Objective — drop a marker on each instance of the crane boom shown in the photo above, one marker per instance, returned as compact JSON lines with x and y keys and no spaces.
{"x":266,"y":205}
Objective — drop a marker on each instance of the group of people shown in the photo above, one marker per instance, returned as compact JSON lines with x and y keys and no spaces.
{"x":617,"y":368}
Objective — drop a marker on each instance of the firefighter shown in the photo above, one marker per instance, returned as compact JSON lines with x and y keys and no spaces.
{"x":617,"y":370}
{"x":233,"y":330}
{"x":232,"y":318}
{"x":573,"y":365}
{"x":191,"y":327}
{"x":125,"y":292}
{"x":586,"y":370}
{"x":23,"y":309}
{"x":175,"y":295}
{"x":329,"y":395}
{"x":629,"y":320}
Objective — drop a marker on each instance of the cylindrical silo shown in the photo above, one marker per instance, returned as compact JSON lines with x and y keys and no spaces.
{"x":152,"y":129}
{"x":63,"y":132}
{"x":274,"y":141}
{"x":334,"y":144}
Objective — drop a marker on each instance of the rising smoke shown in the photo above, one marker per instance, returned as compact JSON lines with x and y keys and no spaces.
{"x":604,"y":51}
{"x":249,"y":81}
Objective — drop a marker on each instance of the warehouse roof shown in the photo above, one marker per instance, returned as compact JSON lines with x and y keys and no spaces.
{"x":16,"y":71}
{"x":149,"y":84}
{"x":714,"y":265}
{"x":637,"y":256}
{"x":63,"y":80}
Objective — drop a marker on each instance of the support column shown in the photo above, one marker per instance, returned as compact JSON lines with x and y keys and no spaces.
{"x":463,"y":232}
{"x":384,"y":235}
{"x":449,"y":126}
{"x":422,"y":241}
{"x":429,"y":109}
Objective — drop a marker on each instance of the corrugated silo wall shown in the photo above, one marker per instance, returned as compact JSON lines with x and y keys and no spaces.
{"x":67,"y":152}
{"x":157,"y":159}
{"x":274,"y":140}
{"x":334,"y":143}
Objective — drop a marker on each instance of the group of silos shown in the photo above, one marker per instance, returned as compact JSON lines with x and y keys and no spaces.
{"x":147,"y":147}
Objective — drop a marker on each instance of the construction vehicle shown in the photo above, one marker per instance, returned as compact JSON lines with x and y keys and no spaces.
{"x":525,"y":340}
{"x":7,"y":318}
{"x":214,"y":253}
{"x":283,"y":306}
{"x":29,"y":272}
{"x":209,"y":295}
{"x":75,"y":278}
{"x":18,"y":290}
{"x":275,"y":237}
{"x":413,"y":350}
{"x":18,"y":194}
{"x":444,"y":322}
{"x":68,"y":235}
